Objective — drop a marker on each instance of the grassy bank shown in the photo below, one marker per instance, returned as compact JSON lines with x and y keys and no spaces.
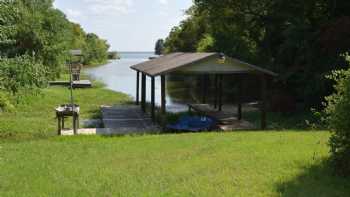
{"x":207,"y":164}
{"x":34,"y":117}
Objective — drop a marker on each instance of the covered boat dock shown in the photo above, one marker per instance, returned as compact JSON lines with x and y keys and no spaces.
{"x":203,"y":64}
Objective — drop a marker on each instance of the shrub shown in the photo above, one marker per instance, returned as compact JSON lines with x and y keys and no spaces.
{"x":337,"y":116}
{"x":5,"y":104}
{"x":21,"y":74}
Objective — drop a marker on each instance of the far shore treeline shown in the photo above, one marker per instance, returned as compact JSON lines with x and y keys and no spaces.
{"x":35,"y":39}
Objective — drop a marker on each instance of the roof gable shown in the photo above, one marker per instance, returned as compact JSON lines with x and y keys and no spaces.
{"x":197,"y":63}
{"x":167,"y":63}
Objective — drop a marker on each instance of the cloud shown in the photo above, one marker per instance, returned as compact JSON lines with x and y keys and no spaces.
{"x":164,"y":2}
{"x":164,"y":9}
{"x":109,"y":6}
{"x":73,"y":15}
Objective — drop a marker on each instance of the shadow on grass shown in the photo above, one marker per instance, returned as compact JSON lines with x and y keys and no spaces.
{"x":298,"y":121}
{"x":316,"y":180}
{"x":17,"y":137}
{"x":95,"y":114}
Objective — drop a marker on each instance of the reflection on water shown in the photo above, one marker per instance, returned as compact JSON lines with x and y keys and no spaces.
{"x":118,"y":76}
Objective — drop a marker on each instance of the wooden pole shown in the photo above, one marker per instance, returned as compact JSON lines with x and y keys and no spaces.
{"x":138,"y":88}
{"x":239,"y":100}
{"x":163,"y":101}
{"x":59,"y":124}
{"x":63,"y":122}
{"x":220,"y":92}
{"x":153,"y":99}
{"x":71,"y":85}
{"x":216,"y":92}
{"x":75,"y":126}
{"x":263,"y":101}
{"x":143,"y":93}
{"x":203,"y":85}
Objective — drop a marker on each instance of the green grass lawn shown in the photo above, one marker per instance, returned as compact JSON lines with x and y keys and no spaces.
{"x":299,"y":120}
{"x":206,"y":164}
{"x":36,"y":162}
{"x":35,"y":117}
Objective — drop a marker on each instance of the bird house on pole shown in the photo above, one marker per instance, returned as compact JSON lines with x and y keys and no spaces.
{"x":74,"y":54}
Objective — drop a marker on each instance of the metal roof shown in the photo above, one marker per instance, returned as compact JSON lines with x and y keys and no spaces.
{"x":174,"y":61}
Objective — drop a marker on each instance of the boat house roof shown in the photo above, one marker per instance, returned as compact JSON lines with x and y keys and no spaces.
{"x":197,"y":63}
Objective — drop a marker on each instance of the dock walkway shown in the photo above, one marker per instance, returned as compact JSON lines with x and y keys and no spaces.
{"x":120,"y":120}
{"x":76,"y":84}
{"x":127,"y":119}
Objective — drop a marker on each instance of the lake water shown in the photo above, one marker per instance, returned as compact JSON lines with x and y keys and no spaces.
{"x":118,"y":76}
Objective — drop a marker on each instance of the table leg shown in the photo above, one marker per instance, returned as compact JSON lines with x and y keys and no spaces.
{"x":75,"y":124}
{"x":78,"y":122}
{"x":59,"y":125}
{"x":63,"y":122}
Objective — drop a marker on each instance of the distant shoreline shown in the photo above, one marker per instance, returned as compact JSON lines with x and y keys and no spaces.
{"x":136,"y":52}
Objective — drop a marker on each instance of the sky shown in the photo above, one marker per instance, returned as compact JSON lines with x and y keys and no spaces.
{"x":127,"y":25}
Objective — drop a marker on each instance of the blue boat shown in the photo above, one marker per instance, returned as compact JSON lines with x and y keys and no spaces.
{"x":193,"y":124}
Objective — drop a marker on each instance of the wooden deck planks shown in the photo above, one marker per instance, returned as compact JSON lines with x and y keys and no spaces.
{"x":127,"y":120}
{"x":76,"y":84}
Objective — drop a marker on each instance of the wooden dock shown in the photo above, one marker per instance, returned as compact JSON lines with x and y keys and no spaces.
{"x":76,"y":84}
{"x":127,"y":119}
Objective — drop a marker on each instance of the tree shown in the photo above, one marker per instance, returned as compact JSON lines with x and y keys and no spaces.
{"x":159,"y":49}
{"x":38,"y":29}
{"x":337,"y":111}
{"x":35,"y":39}
{"x":206,"y":44}
{"x":9,"y":14}
{"x":79,"y":37}
{"x":191,"y":31}
{"x":300,"y":40}
{"x":96,"y":50}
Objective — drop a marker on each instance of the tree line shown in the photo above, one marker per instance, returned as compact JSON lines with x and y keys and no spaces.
{"x":301,"y":40}
{"x":306,"y":42}
{"x":35,"y":39}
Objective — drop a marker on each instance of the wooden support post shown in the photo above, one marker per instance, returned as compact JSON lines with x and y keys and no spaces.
{"x":153,"y":99}
{"x":263,"y":101}
{"x":138,"y":88}
{"x":239,"y":100}
{"x":59,"y":129}
{"x":220,"y":91}
{"x":239,"y":111}
{"x":216,"y":92}
{"x":75,"y":125}
{"x":204,"y":88}
{"x":78,"y":121}
{"x":143,"y":93}
{"x":63,"y":122}
{"x":163,"y":95}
